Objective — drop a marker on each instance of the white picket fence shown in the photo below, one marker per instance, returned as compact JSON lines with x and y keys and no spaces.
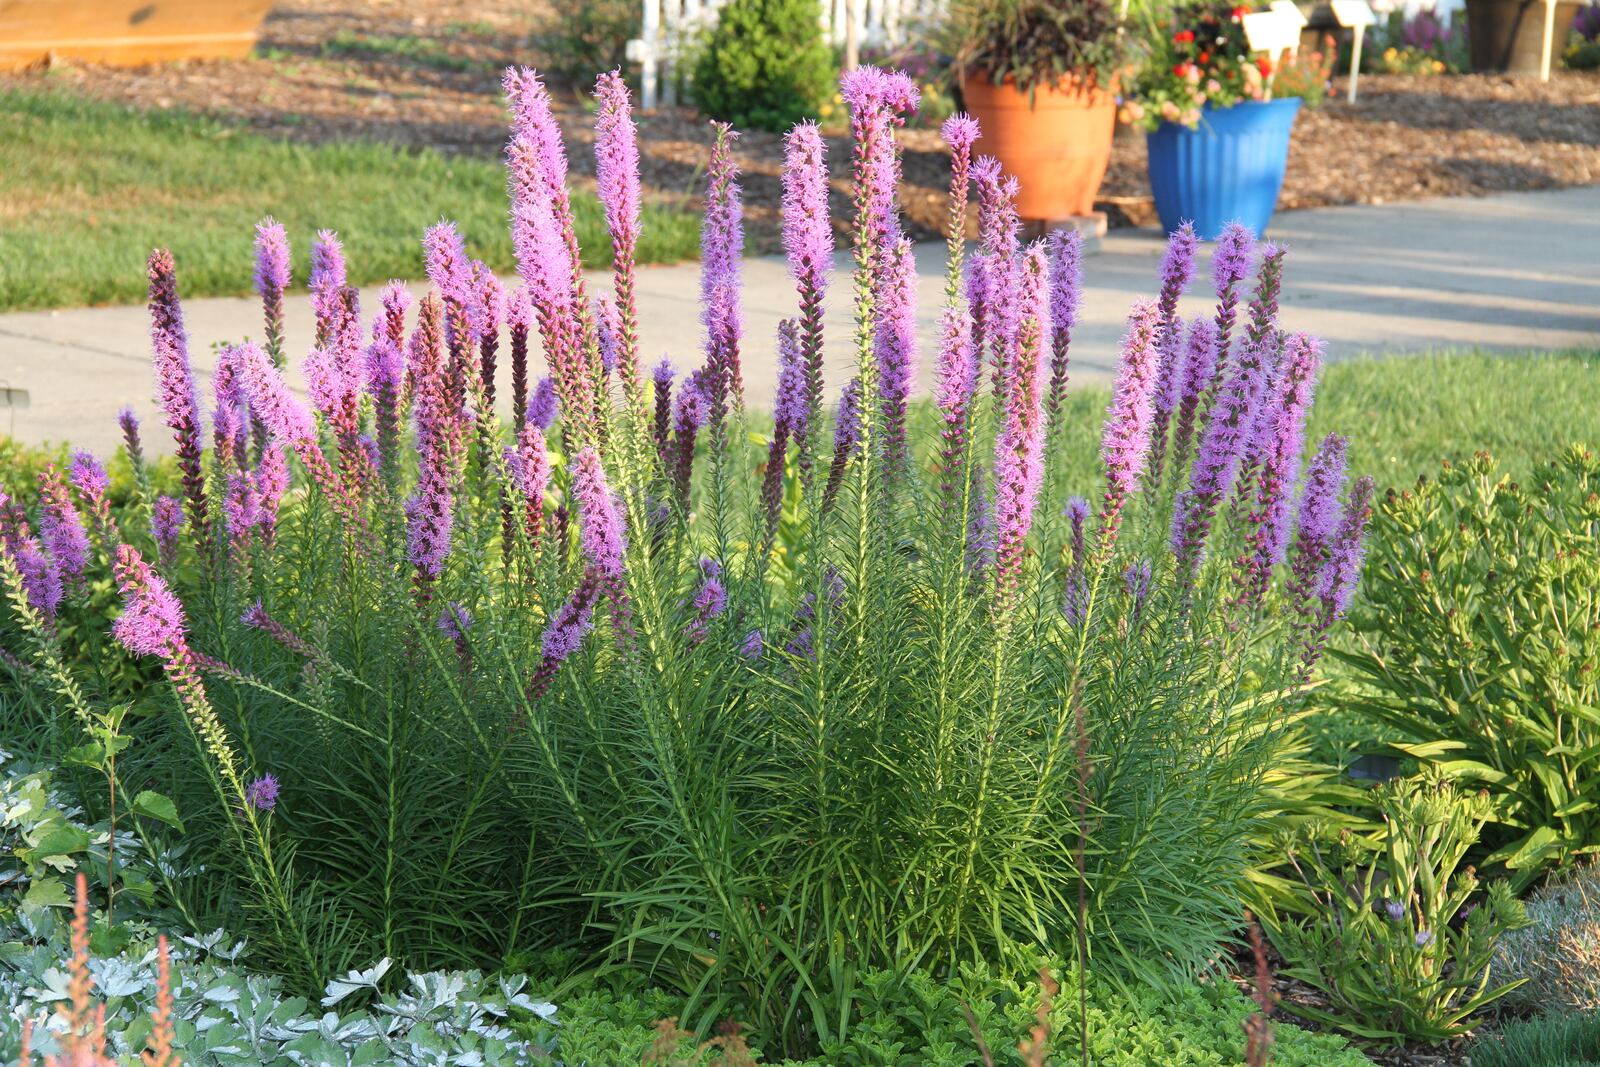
{"x":670,"y":26}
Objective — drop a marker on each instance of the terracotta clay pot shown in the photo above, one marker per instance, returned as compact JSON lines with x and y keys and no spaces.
{"x":1058,"y":148}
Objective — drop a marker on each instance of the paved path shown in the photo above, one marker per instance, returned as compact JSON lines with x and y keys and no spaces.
{"x":1513,"y":272}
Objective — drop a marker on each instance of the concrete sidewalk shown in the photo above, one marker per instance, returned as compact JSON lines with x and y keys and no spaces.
{"x":1512,"y":272}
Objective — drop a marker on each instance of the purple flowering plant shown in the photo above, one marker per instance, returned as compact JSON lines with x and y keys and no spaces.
{"x":650,"y":663}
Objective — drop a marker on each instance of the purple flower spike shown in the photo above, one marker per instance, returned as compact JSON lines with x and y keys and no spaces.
{"x":327,"y":283}
{"x":1281,"y":438}
{"x":1317,"y":522}
{"x":605,"y":538}
{"x":788,"y":423}
{"x":395,"y":300}
{"x":960,"y":131}
{"x":754,"y":645}
{"x":571,"y":622}
{"x":262,"y":794}
{"x":808,"y":243}
{"x":1334,"y":585}
{"x":454,"y":621}
{"x":41,"y":575}
{"x":272,"y":279}
{"x":1066,"y":294}
{"x":1342,"y":571}
{"x":1125,"y":442}
{"x":230,"y":419}
{"x":1228,"y":430}
{"x":489,"y":299}
{"x":89,"y":478}
{"x":1136,"y":581}
{"x":152,"y":622}
{"x":1075,"y":604}
{"x":281,"y":412}
{"x":385,"y":375}
{"x":1230,"y":266}
{"x":1177,"y":270}
{"x":175,"y":385}
{"x":846,"y":440}
{"x":897,"y":350}
{"x":721,"y":245}
{"x":1199,"y":370}
{"x":709,"y":603}
{"x":616,"y":151}
{"x":953,"y":394}
{"x":166,"y":524}
{"x":1395,"y":910}
{"x":1019,"y":449}
{"x":60,"y":526}
{"x":519,"y":319}
{"x":272,"y":481}
{"x":129,"y":424}
{"x":450,"y":271}
{"x":543,"y":405}
{"x":662,"y":379}
{"x":529,"y":466}
{"x":241,"y":507}
{"x":694,"y":407}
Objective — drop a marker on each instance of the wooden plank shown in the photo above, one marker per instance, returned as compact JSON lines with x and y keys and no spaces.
{"x":127,"y":32}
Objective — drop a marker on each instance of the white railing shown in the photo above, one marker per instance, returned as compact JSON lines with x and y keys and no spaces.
{"x":669,"y":27}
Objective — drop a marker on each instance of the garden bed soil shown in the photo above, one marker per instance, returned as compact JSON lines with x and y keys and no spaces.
{"x":432,"y":79}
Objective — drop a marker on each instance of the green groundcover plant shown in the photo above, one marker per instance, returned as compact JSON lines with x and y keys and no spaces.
{"x":757,"y":718}
{"x":1393,"y":929}
{"x":1480,"y":647}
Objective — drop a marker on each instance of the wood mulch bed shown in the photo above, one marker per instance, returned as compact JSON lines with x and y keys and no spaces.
{"x":1407,"y":137}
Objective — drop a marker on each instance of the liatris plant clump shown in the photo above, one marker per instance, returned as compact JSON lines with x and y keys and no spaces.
{"x":754,"y":705}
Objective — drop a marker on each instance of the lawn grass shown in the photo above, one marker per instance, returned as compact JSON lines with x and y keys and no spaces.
{"x":88,"y":188}
{"x":1406,"y":414}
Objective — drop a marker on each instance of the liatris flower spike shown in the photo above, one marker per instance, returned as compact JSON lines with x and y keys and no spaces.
{"x":808,"y":243}
{"x":89,"y":478}
{"x":1281,"y":437}
{"x":61,"y":527}
{"x":1315,"y":525}
{"x":262,"y":793}
{"x":721,"y":245}
{"x":1230,"y":266}
{"x":1177,"y":269}
{"x":175,"y":386}
{"x":327,"y":283}
{"x":1066,"y":294}
{"x":616,"y":152}
{"x":1126,"y":439}
{"x":272,"y":279}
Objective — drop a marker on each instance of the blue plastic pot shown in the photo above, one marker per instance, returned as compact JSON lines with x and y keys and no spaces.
{"x":1230,"y":168}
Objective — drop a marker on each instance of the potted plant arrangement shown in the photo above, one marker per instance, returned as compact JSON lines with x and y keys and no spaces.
{"x":1038,"y":75}
{"x":1218,"y":118}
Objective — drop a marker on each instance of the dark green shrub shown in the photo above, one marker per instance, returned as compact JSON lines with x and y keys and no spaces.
{"x":764,"y":66}
{"x":581,"y":37}
{"x":1480,"y":645}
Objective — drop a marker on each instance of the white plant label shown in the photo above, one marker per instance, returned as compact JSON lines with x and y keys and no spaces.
{"x":1272,"y":32}
{"x":1353,"y":13}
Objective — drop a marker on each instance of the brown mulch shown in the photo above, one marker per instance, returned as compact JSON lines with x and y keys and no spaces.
{"x":1407,"y":137}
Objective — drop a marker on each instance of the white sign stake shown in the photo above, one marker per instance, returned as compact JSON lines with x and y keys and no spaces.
{"x":1356,"y":15}
{"x":1549,"y":39}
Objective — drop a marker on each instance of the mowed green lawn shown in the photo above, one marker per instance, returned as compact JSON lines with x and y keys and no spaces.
{"x":88,"y":188}
{"x":1403,"y":414}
